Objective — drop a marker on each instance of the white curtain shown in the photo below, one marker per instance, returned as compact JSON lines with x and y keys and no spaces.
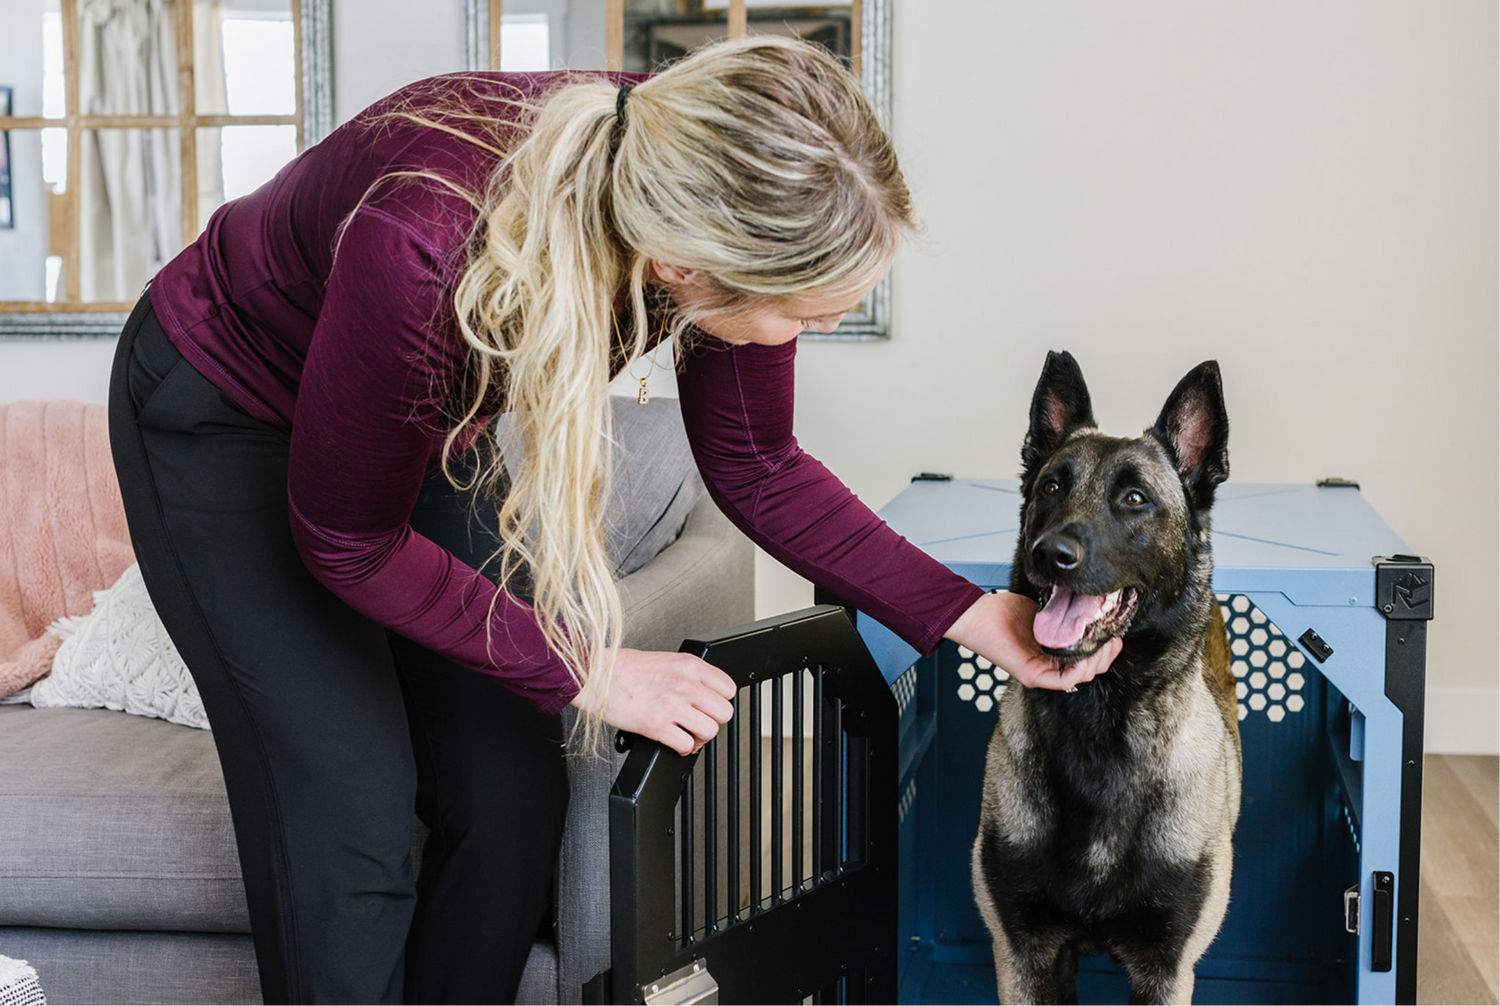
{"x":130,"y":198}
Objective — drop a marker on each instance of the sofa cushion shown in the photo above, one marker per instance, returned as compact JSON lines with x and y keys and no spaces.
{"x":114,"y":822}
{"x":90,"y":966}
{"x":655,"y":482}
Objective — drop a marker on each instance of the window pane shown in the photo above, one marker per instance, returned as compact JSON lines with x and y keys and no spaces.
{"x":33,"y":216}
{"x":129,"y":205}
{"x":525,"y":42}
{"x":237,"y":160}
{"x":31,"y":59}
{"x":129,"y":66}
{"x":55,"y":159}
{"x":575,"y":34}
{"x":23,"y":220}
{"x":244,"y":59}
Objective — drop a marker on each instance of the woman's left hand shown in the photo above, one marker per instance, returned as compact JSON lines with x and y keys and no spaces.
{"x":998,"y":628}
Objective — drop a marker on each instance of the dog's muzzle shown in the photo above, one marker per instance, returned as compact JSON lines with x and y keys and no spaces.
{"x":1070,"y":624}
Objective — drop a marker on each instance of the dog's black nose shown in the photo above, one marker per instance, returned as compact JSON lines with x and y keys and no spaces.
{"x":1057,"y":551}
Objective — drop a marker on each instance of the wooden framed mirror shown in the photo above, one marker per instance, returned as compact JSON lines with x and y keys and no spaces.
{"x":643,"y":34}
{"x":115,"y":164}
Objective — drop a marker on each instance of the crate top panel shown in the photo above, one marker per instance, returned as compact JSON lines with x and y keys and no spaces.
{"x":970,"y":525}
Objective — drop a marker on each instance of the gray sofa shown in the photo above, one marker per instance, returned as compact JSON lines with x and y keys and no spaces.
{"x":119,"y":879}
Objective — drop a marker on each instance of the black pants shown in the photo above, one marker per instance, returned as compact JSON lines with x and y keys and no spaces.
{"x":331,"y":730}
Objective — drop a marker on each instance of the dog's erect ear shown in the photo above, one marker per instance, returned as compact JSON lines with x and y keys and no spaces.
{"x":1059,"y":406}
{"x":1194,"y":427}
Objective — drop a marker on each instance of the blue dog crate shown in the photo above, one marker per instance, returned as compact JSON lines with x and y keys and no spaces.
{"x":1327,"y":618}
{"x":818,"y":850}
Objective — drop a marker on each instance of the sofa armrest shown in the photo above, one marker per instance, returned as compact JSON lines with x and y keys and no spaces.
{"x":705,"y":580}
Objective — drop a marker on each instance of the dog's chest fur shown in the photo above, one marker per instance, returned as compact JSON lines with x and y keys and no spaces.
{"x":1109,"y":778}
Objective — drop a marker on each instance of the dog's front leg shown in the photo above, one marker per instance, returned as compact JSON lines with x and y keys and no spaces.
{"x":1160,"y":973}
{"x":1039,"y":968}
{"x":1164,"y":990}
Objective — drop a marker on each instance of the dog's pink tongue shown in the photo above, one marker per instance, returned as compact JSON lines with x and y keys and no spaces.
{"x":1062,"y":622}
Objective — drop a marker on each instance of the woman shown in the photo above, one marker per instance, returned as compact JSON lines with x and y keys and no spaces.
{"x":295,"y":408}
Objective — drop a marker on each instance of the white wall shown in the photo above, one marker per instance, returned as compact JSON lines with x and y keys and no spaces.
{"x":1304,"y":191}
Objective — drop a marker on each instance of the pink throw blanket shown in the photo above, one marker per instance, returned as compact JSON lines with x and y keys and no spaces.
{"x":62,"y":527}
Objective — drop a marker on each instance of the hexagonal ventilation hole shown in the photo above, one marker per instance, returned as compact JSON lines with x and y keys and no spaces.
{"x":1265,"y":663}
{"x":982,"y":683}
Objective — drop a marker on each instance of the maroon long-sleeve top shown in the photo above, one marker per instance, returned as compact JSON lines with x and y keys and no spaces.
{"x":323,"y":306}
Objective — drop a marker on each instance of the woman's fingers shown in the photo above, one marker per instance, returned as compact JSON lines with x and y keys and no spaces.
{"x":1073,"y":675}
{"x":674,"y":698}
{"x":717,"y":680}
{"x":1043,"y":671}
{"x":678,"y":740}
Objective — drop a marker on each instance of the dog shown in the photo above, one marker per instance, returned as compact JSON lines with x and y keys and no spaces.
{"x":1108,"y":810}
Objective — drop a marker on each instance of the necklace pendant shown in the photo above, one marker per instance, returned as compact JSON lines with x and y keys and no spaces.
{"x":644,"y":396}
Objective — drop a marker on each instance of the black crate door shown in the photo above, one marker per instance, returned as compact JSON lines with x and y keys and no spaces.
{"x":770,"y":857}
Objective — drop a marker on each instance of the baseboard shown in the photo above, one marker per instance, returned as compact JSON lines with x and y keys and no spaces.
{"x":1463,"y":721}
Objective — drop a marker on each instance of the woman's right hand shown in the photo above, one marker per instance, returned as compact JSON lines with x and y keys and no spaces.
{"x":675,"y":698}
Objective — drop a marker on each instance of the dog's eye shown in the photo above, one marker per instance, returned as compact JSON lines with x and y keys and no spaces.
{"x":1135,"y":498}
{"x":1051,"y":487}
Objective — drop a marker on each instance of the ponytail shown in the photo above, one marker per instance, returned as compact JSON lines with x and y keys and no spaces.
{"x":758,"y":163}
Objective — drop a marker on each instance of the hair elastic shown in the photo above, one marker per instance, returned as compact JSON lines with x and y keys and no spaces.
{"x":625,"y":90}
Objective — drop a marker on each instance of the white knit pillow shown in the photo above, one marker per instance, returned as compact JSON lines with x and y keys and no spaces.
{"x":119,"y":656}
{"x":19,"y":985}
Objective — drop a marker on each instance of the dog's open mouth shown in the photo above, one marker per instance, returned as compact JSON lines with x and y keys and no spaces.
{"x":1075,"y":625}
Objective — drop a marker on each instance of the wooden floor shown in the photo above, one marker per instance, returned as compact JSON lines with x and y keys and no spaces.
{"x":1458,"y":943}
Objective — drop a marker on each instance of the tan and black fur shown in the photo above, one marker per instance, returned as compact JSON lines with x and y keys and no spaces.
{"x":1108,"y":812}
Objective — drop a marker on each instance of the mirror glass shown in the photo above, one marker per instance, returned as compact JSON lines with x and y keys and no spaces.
{"x":659,"y":31}
{"x":244,"y":57}
{"x":129,"y":214}
{"x":575,"y":34}
{"x":124,"y":218}
{"x":552,"y":35}
{"x":20,"y":207}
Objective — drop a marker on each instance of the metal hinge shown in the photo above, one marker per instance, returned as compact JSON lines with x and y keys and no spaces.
{"x":685,"y":986}
{"x":1351,"y":910}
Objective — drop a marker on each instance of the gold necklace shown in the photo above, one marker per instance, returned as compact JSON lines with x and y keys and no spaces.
{"x":645,"y":395}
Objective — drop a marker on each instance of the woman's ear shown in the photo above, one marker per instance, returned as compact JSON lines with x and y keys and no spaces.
{"x":673,"y":275}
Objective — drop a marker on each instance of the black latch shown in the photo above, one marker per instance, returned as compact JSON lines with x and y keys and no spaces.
{"x":1338,"y":483}
{"x":1315,"y":645}
{"x":1383,"y":917}
{"x":1403,"y":586}
{"x":931,"y":477}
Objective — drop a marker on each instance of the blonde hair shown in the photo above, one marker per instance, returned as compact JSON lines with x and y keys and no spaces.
{"x":757,"y":162}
